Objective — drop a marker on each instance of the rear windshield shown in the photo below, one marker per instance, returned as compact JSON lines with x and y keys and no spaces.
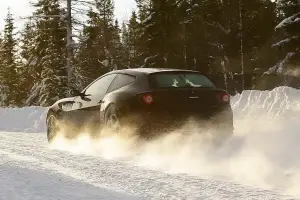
{"x":179,"y":80}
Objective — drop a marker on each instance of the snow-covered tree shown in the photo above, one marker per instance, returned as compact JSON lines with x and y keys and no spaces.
{"x":8,"y":65}
{"x":125,"y":45}
{"x":91,"y":59}
{"x":144,"y":7}
{"x":160,"y":35}
{"x":48,"y":58}
{"x":107,"y":29}
{"x":216,"y":37}
{"x":133,"y":42}
{"x":116,"y":47}
{"x":27,"y":71}
{"x":288,"y":45}
{"x":101,"y":49}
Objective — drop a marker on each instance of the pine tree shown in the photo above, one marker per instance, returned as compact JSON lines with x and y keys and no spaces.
{"x":160,"y":34}
{"x":200,"y":19}
{"x":28,"y":74}
{"x":117,"y":47}
{"x":144,"y":7}
{"x":210,"y":36}
{"x":289,"y":45}
{"x":286,"y":8}
{"x":91,"y":57}
{"x":125,"y":46}
{"x":249,"y":26}
{"x":101,"y":49}
{"x":133,"y":42}
{"x":106,"y":26}
{"x":8,"y":73}
{"x":154,"y":35}
{"x":49,"y":54}
{"x":3,"y":90}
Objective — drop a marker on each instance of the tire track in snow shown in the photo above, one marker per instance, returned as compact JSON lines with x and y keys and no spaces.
{"x":27,"y":150}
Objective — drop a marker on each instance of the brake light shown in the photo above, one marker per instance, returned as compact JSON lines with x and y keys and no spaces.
{"x":225,"y":98}
{"x":148,"y":99}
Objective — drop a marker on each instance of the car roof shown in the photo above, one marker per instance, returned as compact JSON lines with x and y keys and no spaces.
{"x":148,"y":71}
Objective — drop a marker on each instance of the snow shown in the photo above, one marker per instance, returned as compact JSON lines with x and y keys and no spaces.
{"x":30,"y":169}
{"x":28,"y":119}
{"x":289,"y":20}
{"x":281,"y":102}
{"x":19,"y":183}
{"x":280,"y":67}
{"x":35,"y":91}
{"x":285,"y":41}
{"x":261,"y":161}
{"x":223,"y":29}
{"x":148,"y":19}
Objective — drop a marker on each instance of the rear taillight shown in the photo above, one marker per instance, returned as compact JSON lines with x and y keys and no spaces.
{"x":148,"y":99}
{"x":225,"y":98}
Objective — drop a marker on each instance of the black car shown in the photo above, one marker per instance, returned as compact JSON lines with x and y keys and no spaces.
{"x":154,"y":100}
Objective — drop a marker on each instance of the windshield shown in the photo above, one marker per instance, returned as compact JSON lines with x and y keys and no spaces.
{"x":180,"y":80}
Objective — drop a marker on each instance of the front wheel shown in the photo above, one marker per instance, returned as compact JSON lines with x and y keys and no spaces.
{"x":52,"y":127}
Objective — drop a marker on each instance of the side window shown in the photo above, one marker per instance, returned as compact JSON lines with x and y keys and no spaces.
{"x":120,"y":81}
{"x":100,"y":86}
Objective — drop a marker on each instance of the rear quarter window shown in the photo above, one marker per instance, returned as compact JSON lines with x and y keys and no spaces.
{"x":120,"y":81}
{"x":180,"y":80}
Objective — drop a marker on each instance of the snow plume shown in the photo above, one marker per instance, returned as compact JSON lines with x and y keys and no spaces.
{"x":262,"y":153}
{"x":108,"y":145}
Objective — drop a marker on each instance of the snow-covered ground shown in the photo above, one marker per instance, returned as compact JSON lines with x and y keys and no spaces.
{"x":261,"y":161}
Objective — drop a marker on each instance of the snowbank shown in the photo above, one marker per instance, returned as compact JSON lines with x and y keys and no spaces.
{"x":28,"y":119}
{"x":282,"y":102}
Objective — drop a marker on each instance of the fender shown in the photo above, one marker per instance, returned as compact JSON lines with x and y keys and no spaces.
{"x":57,"y":107}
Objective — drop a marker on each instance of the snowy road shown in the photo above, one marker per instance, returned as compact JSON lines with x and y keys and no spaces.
{"x":261,"y":162}
{"x":31,"y":170}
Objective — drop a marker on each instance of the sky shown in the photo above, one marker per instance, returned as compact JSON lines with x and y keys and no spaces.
{"x":21,"y":8}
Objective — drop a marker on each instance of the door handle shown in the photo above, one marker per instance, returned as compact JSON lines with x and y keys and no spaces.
{"x":101,"y":101}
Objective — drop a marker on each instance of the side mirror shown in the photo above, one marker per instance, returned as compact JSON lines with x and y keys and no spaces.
{"x":75,"y":92}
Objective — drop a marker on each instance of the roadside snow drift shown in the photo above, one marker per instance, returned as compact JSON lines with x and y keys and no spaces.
{"x":28,"y":119}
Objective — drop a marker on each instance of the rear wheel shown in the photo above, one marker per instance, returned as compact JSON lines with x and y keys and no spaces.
{"x":124,"y":123}
{"x":112,"y":119}
{"x":52,"y":127}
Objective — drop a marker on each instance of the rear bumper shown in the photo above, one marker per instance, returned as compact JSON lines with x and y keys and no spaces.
{"x":164,"y":121}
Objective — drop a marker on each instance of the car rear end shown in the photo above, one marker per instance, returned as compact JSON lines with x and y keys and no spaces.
{"x":175,"y":97}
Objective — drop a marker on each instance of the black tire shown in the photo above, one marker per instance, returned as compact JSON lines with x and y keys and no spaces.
{"x":126,"y":119}
{"x":52,"y":127}
{"x":112,"y":119}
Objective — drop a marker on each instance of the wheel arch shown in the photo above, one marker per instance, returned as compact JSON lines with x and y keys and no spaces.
{"x":52,"y":110}
{"x":109,"y":105}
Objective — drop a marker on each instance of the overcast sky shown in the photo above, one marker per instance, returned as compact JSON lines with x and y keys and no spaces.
{"x":20,"y":8}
